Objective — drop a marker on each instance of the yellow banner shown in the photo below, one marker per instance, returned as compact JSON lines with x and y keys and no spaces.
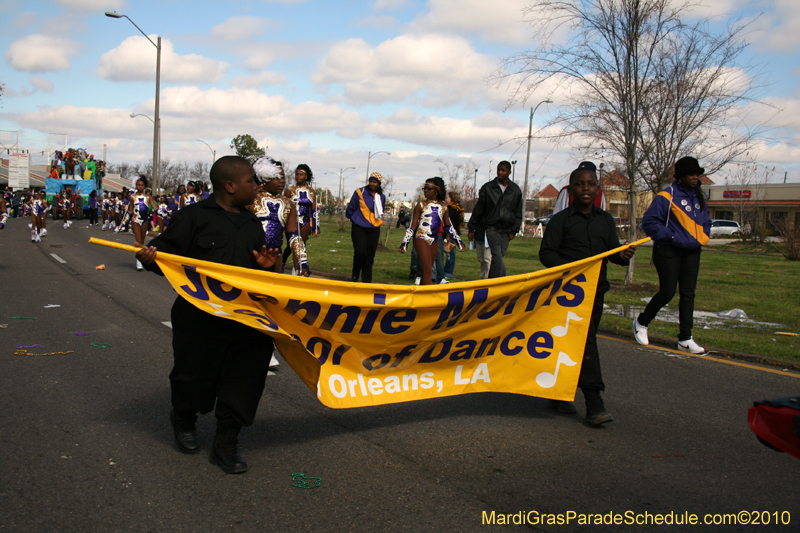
{"x":360,"y":344}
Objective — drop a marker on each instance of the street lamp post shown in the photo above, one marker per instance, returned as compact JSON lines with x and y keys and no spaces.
{"x":341,"y":181}
{"x":158,"y":145}
{"x":213,"y":152}
{"x":369,"y":156}
{"x":157,"y":121}
{"x":527,"y":165}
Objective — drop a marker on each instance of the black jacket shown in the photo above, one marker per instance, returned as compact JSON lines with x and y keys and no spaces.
{"x":572,"y":236}
{"x":498,"y":209}
{"x":207,"y":232}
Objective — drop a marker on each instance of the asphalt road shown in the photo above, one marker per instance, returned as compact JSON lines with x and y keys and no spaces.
{"x":87,"y":446}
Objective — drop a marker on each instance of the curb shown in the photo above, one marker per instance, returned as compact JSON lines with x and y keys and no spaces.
{"x":667,"y":342}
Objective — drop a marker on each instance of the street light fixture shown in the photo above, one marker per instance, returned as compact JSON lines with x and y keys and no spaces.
{"x":157,"y":121}
{"x":341,"y":181}
{"x":527,"y":165}
{"x":370,"y":155}
{"x":213,"y":152}
{"x":158,"y":136}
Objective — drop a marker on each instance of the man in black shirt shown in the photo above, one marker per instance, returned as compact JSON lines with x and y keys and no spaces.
{"x":580,"y":231}
{"x":499,"y":211}
{"x":219,"y":363}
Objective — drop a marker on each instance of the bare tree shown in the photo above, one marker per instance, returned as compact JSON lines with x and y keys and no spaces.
{"x":459,"y":177}
{"x":745,"y":188}
{"x":790,"y":231}
{"x":199,"y":171}
{"x":639,"y":84}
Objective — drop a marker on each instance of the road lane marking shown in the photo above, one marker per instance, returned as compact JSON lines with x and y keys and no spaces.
{"x":58,"y":259}
{"x":707,"y":357}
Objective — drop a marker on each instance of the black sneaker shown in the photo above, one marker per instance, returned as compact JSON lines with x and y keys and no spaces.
{"x":185,"y":434}
{"x":224,"y":454}
{"x":596,"y":414}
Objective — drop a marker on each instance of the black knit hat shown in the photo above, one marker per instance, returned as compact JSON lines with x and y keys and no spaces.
{"x":688,"y":166}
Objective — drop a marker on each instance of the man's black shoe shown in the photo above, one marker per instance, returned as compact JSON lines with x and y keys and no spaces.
{"x":596,"y":414}
{"x":225,"y":455}
{"x":565,"y":408}
{"x":185,"y":434}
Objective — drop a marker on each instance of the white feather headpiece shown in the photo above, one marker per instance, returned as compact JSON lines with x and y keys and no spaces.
{"x":267,"y":168}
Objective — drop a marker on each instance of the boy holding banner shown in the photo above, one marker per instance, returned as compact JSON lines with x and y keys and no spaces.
{"x":580,"y":231}
{"x":220,"y":364}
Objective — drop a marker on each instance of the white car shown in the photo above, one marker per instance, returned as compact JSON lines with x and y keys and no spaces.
{"x":725,"y":227}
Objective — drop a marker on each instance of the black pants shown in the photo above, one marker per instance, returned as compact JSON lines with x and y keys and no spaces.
{"x":675,"y":266}
{"x":93,"y":216}
{"x":498,"y":242}
{"x":591,"y":377}
{"x":365,"y":244}
{"x":218,"y":363}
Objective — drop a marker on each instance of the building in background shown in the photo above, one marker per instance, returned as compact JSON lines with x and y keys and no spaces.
{"x":761,"y":205}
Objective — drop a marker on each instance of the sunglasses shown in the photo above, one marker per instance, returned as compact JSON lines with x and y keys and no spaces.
{"x":430,"y":188}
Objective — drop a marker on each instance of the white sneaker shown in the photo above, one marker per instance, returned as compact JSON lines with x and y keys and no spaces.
{"x":640,"y":333}
{"x":273,"y":362}
{"x":444,"y":280}
{"x":33,"y":235}
{"x":30,"y":226}
{"x":417,"y":281}
{"x":38,"y":239}
{"x":65,"y":225}
{"x":690,"y":346}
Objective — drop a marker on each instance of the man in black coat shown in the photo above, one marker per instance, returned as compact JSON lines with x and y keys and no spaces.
{"x":219,"y":364}
{"x":499,"y":211}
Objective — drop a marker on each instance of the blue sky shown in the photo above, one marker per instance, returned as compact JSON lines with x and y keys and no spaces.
{"x":318,"y":82}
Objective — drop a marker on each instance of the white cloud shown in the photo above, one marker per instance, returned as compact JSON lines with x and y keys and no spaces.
{"x":235,"y":110}
{"x":135,"y":59}
{"x":480,"y":133}
{"x":438,"y":69}
{"x":189,"y":113}
{"x":782,"y":34}
{"x":243,"y":28}
{"x":85,"y":122}
{"x":42,"y":84}
{"x":262,"y":79}
{"x":381,"y":22}
{"x":709,"y":8}
{"x":499,"y":21}
{"x":391,"y":5}
{"x":91,"y":5}
{"x":41,"y":53}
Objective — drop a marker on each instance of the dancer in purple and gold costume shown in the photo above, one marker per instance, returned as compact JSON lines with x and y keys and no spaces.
{"x":277,"y":213}
{"x":191,"y":196}
{"x":139,"y":211}
{"x":305,"y":202}
{"x":429,"y":216}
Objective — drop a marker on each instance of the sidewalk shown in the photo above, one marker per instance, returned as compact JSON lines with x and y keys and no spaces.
{"x":662,"y":341}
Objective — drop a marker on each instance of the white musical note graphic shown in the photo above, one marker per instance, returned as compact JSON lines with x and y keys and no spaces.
{"x":560,"y":331}
{"x":546,"y":380}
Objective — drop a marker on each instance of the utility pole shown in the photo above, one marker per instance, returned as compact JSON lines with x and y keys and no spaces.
{"x":527,"y":166}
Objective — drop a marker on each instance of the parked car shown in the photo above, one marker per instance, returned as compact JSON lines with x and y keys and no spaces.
{"x":544,"y":220}
{"x":725,"y":227}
